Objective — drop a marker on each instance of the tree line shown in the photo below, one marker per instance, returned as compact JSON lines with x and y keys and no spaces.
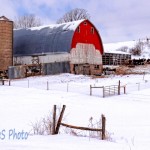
{"x":31,"y":20}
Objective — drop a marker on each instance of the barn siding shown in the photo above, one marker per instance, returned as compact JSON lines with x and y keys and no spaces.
{"x":85,"y":53}
{"x":16,"y":72}
{"x":42,"y":59}
{"x":55,"y":68}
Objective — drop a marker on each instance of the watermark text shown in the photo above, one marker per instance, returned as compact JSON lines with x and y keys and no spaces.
{"x":13,"y":134}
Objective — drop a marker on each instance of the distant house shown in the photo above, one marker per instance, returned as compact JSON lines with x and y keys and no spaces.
{"x":74,"y":47}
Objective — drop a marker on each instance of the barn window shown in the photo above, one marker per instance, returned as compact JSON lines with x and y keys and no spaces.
{"x":78,"y":29}
{"x":85,"y":23}
{"x":96,"y":66}
{"x":92,"y":30}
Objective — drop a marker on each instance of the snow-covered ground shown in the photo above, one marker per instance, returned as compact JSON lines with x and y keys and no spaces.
{"x":28,"y":100}
{"x":115,"y":46}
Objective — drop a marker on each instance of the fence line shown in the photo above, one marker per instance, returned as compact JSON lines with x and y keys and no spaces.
{"x":102,"y":130}
{"x":79,"y":87}
{"x":59,"y":123}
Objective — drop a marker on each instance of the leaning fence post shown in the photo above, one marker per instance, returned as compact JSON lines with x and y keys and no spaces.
{"x":60,"y":119}
{"x":54,"y":119}
{"x":103,"y":126}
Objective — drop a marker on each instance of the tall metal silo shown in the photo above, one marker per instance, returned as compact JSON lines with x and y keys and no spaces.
{"x":6,"y":43}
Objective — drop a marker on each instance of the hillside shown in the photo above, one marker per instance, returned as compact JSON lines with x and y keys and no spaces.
{"x":142,"y":44}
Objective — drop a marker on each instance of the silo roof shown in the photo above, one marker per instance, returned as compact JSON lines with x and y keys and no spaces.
{"x":44,"y":39}
{"x":3,"y":18}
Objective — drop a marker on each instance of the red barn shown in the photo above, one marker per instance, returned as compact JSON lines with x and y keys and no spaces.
{"x":78,"y":43}
{"x":86,"y":49}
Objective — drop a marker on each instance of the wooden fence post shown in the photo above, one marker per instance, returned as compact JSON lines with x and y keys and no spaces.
{"x":2,"y":82}
{"x":103,"y":91}
{"x":28,"y":83}
{"x":119,"y":88}
{"x":9,"y":82}
{"x":124,"y":89}
{"x":60,"y":119}
{"x":54,"y":119}
{"x":47,"y":86}
{"x":103,"y":126}
{"x":90,"y":89}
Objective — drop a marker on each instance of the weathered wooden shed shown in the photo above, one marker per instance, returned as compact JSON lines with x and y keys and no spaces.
{"x":76,"y":43}
{"x":115,"y":57}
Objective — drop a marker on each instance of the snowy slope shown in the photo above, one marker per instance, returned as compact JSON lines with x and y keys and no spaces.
{"x":115,"y":47}
{"x":128,"y":123}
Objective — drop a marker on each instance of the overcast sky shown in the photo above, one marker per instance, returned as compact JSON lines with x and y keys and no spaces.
{"x":116,"y":20}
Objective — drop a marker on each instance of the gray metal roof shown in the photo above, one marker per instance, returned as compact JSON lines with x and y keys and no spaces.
{"x":45,"y":39}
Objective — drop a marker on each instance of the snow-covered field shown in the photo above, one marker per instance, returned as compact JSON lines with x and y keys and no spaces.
{"x":28,"y":100}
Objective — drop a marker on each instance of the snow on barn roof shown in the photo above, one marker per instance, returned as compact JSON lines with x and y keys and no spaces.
{"x":44,"y":39}
{"x":66,"y":26}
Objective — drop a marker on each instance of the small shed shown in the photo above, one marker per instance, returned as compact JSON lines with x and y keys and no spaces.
{"x":115,"y":57}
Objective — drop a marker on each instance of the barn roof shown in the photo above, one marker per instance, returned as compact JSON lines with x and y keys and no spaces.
{"x":44,"y":39}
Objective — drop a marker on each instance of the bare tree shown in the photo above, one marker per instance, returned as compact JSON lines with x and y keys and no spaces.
{"x":123,"y":49}
{"x":26,"y":21}
{"x":73,"y":15}
{"x":137,"y":49}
